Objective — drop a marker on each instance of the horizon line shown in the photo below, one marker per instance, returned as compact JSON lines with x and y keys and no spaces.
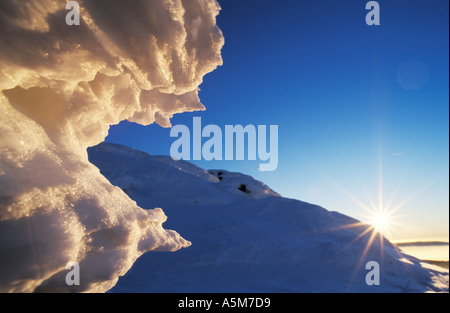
{"x":421,"y":243}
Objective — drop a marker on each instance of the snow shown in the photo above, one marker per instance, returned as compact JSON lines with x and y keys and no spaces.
{"x":61,"y":89}
{"x":250,"y":241}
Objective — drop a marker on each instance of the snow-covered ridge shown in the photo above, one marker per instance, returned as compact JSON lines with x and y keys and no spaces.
{"x":251,"y":239}
{"x":243,"y":183}
{"x":135,"y":170}
{"x":236,"y":183}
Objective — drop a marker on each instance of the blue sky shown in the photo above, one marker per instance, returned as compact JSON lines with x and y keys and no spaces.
{"x":354,"y":104}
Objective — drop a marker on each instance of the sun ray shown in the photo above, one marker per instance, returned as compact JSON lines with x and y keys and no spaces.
{"x":381,"y":245}
{"x":372,"y":203}
{"x":381,"y":218}
{"x":368,"y":229}
{"x":391,"y":199}
{"x":349,"y":194}
{"x":347,"y":226}
{"x":380,"y":175}
{"x":369,"y":244}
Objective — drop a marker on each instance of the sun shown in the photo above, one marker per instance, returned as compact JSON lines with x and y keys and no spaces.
{"x":381,"y":222}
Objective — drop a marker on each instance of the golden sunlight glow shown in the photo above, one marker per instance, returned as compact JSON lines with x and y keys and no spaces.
{"x":380,"y":219}
{"x":381,"y":222}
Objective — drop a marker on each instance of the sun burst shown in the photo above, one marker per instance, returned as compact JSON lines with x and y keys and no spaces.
{"x":381,"y":222}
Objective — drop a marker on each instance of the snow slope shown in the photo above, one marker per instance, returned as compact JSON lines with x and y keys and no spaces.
{"x":247,"y":238}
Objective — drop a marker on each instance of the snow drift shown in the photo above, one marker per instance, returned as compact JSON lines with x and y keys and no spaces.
{"x":61,"y":88}
{"x":247,"y":238}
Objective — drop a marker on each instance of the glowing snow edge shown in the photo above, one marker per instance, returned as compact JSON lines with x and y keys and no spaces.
{"x":62,"y":87}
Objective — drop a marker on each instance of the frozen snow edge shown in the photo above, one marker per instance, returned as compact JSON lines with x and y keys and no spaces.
{"x":61,"y":89}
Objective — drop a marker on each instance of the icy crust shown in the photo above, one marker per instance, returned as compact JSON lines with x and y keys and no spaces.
{"x":61,"y":88}
{"x":252,"y":239}
{"x":141,"y":62}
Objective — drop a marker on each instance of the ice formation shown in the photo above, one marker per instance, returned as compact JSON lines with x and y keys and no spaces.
{"x":61,"y":88}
